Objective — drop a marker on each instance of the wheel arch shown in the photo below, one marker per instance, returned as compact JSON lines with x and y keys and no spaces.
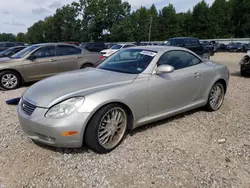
{"x":86,"y":63}
{"x":224,"y":83}
{"x":9,"y":69}
{"x":126,"y":107}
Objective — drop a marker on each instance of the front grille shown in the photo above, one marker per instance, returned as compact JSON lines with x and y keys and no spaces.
{"x":27,"y":107}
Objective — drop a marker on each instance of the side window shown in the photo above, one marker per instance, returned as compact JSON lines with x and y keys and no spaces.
{"x":194,"y":60}
{"x":47,"y":51}
{"x":68,"y":50}
{"x":194,"y":41}
{"x":187,"y":42}
{"x":177,"y":59}
{"x":10,"y":44}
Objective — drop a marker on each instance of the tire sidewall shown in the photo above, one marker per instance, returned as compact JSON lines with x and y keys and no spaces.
{"x":91,"y":131}
{"x":208,"y":102}
{"x":10,"y":72}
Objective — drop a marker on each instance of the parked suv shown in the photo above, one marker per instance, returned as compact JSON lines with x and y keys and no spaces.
{"x":94,"y":46}
{"x":6,"y":45}
{"x":192,"y":44}
{"x":43,"y":60}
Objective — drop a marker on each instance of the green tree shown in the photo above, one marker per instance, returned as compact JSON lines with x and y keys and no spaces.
{"x":220,"y":18}
{"x":7,"y":37}
{"x":21,"y":37}
{"x":240,"y":17}
{"x":99,"y":15}
{"x":35,"y":33}
{"x":201,"y":23}
{"x":169,"y":21}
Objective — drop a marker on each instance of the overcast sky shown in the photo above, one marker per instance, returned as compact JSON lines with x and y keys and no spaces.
{"x":17,"y":15}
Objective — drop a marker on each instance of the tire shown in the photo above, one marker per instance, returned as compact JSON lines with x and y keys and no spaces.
{"x":10,"y":77}
{"x":86,"y":65}
{"x":95,"y":137}
{"x":214,"y":104}
{"x":243,"y":73}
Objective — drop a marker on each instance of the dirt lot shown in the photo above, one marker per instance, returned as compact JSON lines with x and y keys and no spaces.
{"x":179,"y":152}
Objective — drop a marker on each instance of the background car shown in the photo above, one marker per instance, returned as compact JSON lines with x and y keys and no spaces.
{"x":93,"y":46}
{"x":43,"y":60}
{"x":245,"y":65}
{"x":220,"y":47}
{"x":192,"y":44}
{"x":6,"y":45}
{"x":11,"y":51}
{"x":74,"y":43}
{"x":109,"y":45}
{"x":131,"y":88}
{"x":115,"y":48}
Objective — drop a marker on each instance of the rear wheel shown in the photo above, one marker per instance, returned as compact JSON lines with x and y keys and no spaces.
{"x":107,"y":128}
{"x":10,"y":80}
{"x":86,"y":65}
{"x":216,"y":97}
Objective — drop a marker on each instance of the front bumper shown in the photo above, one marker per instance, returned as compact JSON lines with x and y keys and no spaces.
{"x":48,"y":131}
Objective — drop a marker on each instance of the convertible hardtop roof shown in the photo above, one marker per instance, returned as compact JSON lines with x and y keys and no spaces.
{"x":59,"y":43}
{"x":160,"y":48}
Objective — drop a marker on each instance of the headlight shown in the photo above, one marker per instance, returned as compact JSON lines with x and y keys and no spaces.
{"x":65,"y":108}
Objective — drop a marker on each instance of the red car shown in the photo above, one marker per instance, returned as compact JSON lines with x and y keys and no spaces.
{"x":75,"y":43}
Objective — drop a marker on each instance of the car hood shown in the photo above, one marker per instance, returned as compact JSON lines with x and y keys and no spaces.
{"x":55,"y":89}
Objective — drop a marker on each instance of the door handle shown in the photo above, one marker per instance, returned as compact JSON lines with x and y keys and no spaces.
{"x":197,"y":75}
{"x":51,"y":60}
{"x":77,"y":57}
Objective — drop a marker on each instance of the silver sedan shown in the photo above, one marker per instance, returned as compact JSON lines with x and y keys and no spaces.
{"x":97,"y":106}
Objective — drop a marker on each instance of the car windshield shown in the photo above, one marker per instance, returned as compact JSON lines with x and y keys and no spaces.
{"x":6,"y":51}
{"x":25,"y":52}
{"x":116,"y":47}
{"x":131,"y":61}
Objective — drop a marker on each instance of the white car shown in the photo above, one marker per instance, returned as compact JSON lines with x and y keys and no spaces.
{"x":115,"y":48}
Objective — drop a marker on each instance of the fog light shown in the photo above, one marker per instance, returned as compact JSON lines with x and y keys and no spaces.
{"x":70,"y":133}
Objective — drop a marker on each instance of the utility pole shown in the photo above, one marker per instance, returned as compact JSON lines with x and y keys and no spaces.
{"x":150,"y":28}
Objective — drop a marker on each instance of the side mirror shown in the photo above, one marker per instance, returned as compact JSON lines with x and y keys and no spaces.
{"x":163,"y":69}
{"x":32,"y":57}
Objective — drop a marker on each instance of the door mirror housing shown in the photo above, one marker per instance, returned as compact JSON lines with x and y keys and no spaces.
{"x":32,"y":57}
{"x":164,"y":69}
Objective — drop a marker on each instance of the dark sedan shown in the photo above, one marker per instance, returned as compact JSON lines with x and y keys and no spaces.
{"x":11,"y":51}
{"x":238,"y":47}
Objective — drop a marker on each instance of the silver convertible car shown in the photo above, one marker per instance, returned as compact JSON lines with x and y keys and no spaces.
{"x":97,"y":106}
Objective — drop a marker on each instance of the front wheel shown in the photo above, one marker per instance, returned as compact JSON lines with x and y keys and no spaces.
{"x":107,"y":128}
{"x":9,"y":80}
{"x":216,"y":97}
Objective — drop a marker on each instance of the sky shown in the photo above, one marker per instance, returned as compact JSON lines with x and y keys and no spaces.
{"x":17,"y":15}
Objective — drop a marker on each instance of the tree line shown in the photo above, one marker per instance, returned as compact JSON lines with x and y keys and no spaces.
{"x":113,"y":21}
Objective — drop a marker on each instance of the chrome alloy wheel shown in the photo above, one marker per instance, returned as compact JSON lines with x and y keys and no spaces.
{"x":216,"y":96}
{"x":112,"y":128}
{"x":9,"y":81}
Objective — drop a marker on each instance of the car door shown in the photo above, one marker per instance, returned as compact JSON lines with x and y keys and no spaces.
{"x":68,"y":58}
{"x":41,"y":64}
{"x":168,"y":92}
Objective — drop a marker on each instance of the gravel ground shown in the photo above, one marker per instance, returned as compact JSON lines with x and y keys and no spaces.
{"x":185,"y":151}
